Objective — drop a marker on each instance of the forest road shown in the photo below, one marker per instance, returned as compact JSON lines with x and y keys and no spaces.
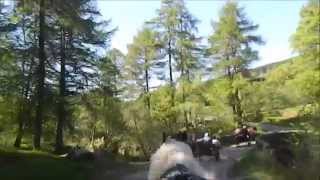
{"x":139,"y":171}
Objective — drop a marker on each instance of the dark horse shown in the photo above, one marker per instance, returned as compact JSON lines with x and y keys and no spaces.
{"x":245,"y":134}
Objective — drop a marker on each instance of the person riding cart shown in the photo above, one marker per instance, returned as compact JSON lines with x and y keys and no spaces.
{"x":206,"y":138}
{"x":216,"y":145}
{"x":208,"y":146}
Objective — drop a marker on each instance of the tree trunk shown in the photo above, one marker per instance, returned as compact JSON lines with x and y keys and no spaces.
{"x":93,"y":134}
{"x":183,"y":101}
{"x":147,"y":86}
{"x":183,"y":75}
{"x":140,"y":141}
{"x":24,"y":94}
{"x":170,"y":72}
{"x":62,"y":90}
{"x":24,"y":112}
{"x":40,"y":79}
{"x":238,"y":106}
{"x":18,"y":140}
{"x":170,"y":63}
{"x":234,"y":109}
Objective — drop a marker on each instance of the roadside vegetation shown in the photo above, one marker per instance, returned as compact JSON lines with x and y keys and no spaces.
{"x":35,"y":165}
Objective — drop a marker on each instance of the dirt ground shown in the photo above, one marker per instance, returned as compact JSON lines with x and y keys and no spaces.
{"x":139,"y":170}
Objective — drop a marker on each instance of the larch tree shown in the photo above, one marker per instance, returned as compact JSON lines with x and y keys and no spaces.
{"x":230,"y":47}
{"x":306,"y":41}
{"x":25,"y":55}
{"x":167,"y":24}
{"x":187,"y":51}
{"x":80,"y":34}
{"x":141,"y":55}
{"x":41,"y":74}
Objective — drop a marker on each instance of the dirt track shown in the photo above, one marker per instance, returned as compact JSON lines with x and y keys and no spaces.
{"x":138,"y":171}
{"x":221,"y":169}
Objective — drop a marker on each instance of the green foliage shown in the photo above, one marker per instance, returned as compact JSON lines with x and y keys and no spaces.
{"x":98,"y":116}
{"x":141,"y":56}
{"x":162,"y":110}
{"x":230,"y":43}
{"x":141,"y":130}
{"x":306,"y":38}
{"x":110,"y":75}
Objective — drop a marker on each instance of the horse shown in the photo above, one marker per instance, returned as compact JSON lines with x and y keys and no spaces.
{"x":245,"y":134}
{"x":240,"y":135}
{"x":252,"y":132}
{"x":171,"y":154}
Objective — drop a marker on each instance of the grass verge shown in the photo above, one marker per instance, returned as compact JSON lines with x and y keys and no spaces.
{"x":35,"y":165}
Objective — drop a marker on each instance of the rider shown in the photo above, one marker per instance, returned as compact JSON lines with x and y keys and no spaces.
{"x":205,"y":138}
{"x":244,"y":132}
{"x":215,"y":141}
{"x":216,"y":147}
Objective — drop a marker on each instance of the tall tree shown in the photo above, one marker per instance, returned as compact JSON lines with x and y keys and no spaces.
{"x":80,"y":34}
{"x":230,"y":46}
{"x":167,"y":23}
{"x":41,"y":74}
{"x":187,"y":45}
{"x":25,"y":46}
{"x":306,"y":40}
{"x":141,"y":55}
{"x":187,"y":50}
{"x":177,"y":28}
{"x":111,"y":78}
{"x":21,"y":31}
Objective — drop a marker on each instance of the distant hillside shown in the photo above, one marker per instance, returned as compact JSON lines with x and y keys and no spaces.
{"x":262,"y":70}
{"x":258,"y":72}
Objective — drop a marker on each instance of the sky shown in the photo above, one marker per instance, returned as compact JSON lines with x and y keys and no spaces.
{"x":277,"y":21}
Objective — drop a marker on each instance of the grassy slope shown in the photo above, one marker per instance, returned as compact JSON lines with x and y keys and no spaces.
{"x":263,"y":70}
{"x":32,"y":165}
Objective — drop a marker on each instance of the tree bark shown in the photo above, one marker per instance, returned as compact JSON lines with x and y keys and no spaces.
{"x":40,"y":79}
{"x":170,"y":62}
{"x":62,"y":90}
{"x":147,"y":85}
{"x":24,"y":93}
{"x":17,"y":142}
{"x":170,"y":72}
{"x":238,"y":106}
